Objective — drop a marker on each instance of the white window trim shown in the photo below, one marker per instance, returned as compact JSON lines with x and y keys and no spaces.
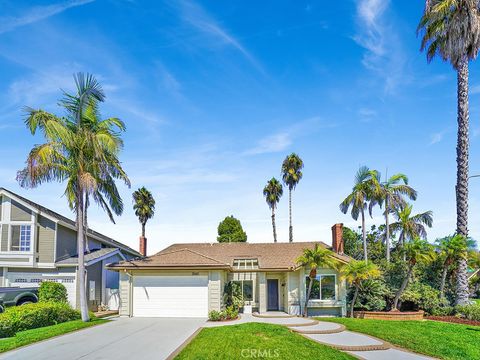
{"x":32,"y":235}
{"x":319,"y":276}
{"x":250,"y":302}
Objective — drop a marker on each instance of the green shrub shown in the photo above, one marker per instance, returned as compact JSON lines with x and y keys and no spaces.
{"x":32,"y":316}
{"x":233,"y":295}
{"x":371,"y":295}
{"x":231,"y":313}
{"x":52,"y":291}
{"x":470,"y":312}
{"x":424,"y":297}
{"x":215,"y":315}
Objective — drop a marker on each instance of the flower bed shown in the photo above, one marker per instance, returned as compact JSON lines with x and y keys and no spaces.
{"x":389,"y":315}
{"x":454,"y":319}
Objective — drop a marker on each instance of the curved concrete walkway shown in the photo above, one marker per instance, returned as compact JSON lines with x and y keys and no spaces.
{"x":331,"y":334}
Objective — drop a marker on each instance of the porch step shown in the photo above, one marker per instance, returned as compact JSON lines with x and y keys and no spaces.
{"x":350,"y":341}
{"x":320,"y":328}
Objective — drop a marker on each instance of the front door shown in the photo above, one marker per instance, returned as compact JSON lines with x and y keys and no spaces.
{"x":272,"y":294}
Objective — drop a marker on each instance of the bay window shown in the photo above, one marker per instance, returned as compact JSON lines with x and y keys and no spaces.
{"x":323,"y":287}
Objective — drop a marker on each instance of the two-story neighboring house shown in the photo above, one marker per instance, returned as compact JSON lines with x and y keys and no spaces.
{"x":37,"y":244}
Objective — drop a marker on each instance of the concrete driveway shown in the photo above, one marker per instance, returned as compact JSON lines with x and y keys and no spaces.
{"x":122,"y":338}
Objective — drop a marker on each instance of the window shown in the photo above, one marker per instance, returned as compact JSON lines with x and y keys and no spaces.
{"x":21,"y":236}
{"x":323,"y":287}
{"x":247,"y":289}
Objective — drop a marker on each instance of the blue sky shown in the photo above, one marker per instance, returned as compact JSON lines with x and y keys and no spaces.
{"x":216,"y":94}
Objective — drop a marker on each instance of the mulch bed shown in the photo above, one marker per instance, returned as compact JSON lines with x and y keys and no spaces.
{"x":453,"y":319}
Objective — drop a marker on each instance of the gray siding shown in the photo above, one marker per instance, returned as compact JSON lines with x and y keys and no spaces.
{"x":124,"y":294}
{"x":94,"y":273}
{"x":214,"y":291}
{"x":66,"y":242}
{"x":4,"y":241}
{"x":45,"y":240}
{"x":19,"y":212}
{"x":1,"y":210}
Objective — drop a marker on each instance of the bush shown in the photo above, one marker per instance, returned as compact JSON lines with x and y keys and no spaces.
{"x":371,"y":295}
{"x":233,"y":295}
{"x":32,"y":316}
{"x":424,"y":297}
{"x":470,"y":312}
{"x":230,"y":313}
{"x":52,"y":291}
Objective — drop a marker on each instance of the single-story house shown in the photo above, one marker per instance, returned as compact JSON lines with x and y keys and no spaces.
{"x":187,"y":280}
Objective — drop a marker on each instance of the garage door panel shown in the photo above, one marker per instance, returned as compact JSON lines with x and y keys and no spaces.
{"x":170,"y":296}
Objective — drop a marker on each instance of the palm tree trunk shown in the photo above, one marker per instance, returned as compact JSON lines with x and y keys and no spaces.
{"x":402,"y":288}
{"x":85,"y":222}
{"x":461,"y":189}
{"x":290,"y":229}
{"x":274,"y":226}
{"x":81,"y":259}
{"x":143,"y":229}
{"x":309,"y":291}
{"x":443,"y":280}
{"x":364,"y":237}
{"x":387,"y":230}
{"x":354,"y":300}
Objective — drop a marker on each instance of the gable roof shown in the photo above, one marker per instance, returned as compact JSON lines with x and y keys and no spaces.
{"x":271,"y":256}
{"x":70,"y":223}
{"x":89,"y":258}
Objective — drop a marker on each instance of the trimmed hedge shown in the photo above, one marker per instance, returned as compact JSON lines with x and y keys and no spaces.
{"x":32,"y":316}
{"x":470,"y":312}
{"x":52,"y":291}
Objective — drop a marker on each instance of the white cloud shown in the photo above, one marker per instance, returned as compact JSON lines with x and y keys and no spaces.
{"x":201,"y":20}
{"x":366,"y":114}
{"x":38,"y":13}
{"x":270,"y":144}
{"x":475,"y":89}
{"x":384,"y":54}
{"x":436,"y":138}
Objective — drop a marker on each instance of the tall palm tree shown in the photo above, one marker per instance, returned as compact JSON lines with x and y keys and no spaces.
{"x":355,"y":272}
{"x":313,"y":259}
{"x":392,"y":192}
{"x":144,"y":206}
{"x":291,"y":174}
{"x":451,"y":29}
{"x":450,"y":249}
{"x":365,"y":190}
{"x":76,"y":153}
{"x":410,"y":226}
{"x":273,"y":191}
{"x":416,"y":251}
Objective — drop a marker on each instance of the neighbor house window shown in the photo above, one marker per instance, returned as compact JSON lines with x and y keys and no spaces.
{"x":247,"y":289}
{"x":323,"y":287}
{"x":21,"y":238}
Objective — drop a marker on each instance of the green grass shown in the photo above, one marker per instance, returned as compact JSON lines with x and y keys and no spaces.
{"x":27,"y":337}
{"x":477,"y":301}
{"x":434,"y":338}
{"x":255,"y":340}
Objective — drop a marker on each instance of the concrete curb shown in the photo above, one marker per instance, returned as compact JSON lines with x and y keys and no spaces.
{"x":332,"y":331}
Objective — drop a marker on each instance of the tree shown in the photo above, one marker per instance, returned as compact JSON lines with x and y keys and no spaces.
{"x":365,"y":189}
{"x":392,"y":192}
{"x":230,"y":230}
{"x":450,"y":249}
{"x":355,"y":272}
{"x":83,"y":155}
{"x":273,"y":191}
{"x":411,"y":226}
{"x":291,"y":174}
{"x":416,"y":251}
{"x":144,"y":206}
{"x":312,"y":259}
{"x":451,"y":29}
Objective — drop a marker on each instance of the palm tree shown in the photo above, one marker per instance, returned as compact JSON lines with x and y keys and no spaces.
{"x":451,"y":29}
{"x":450,"y":249}
{"x":365,"y":189}
{"x":291,"y":174}
{"x":411,"y":226}
{"x":416,"y":251}
{"x":355,"y":272}
{"x":144,"y":206}
{"x":392,"y":191}
{"x":273,"y":191}
{"x":80,"y":154}
{"x":312,"y":259}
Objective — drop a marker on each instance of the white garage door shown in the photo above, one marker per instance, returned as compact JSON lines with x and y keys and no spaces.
{"x":170,"y":296}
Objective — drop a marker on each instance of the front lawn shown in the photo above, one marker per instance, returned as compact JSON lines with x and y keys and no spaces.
{"x":255,"y":340}
{"x":477,"y":301}
{"x":437,"y":339}
{"x":27,"y":337}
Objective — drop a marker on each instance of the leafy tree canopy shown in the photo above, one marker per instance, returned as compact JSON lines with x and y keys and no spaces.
{"x":230,"y":230}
